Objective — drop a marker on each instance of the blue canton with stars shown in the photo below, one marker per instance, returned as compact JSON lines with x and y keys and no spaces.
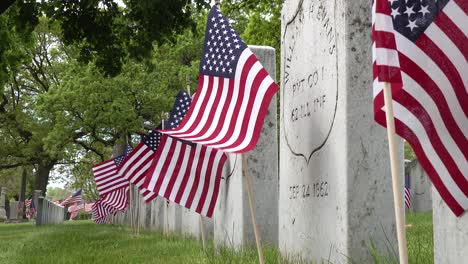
{"x":222,"y":47}
{"x":152,"y":140}
{"x":181,"y":107}
{"x":412,"y":17}
{"x":119,"y":159}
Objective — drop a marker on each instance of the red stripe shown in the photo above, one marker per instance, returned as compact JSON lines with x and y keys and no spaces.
{"x":261,"y":116}
{"x":439,"y":57}
{"x":165,"y":165}
{"x":214,"y":197}
{"x":431,"y":88}
{"x":196,"y":180}
{"x":384,"y":39}
{"x":133,"y":155}
{"x":382,"y":6}
{"x":417,"y":109}
{"x":151,"y":170}
{"x":453,"y":32}
{"x":405,"y":132}
{"x":220,"y":122}
{"x":206,"y":184}
{"x":195,"y":99}
{"x":463,"y":4}
{"x":210,"y":119}
{"x":191,"y":162}
{"x":173,"y":176}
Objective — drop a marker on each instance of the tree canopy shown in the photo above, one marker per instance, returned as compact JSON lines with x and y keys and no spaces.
{"x":78,"y":77}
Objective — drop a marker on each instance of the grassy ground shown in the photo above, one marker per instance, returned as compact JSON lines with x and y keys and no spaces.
{"x":85,"y":242}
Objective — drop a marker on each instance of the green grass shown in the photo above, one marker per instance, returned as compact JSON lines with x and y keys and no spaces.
{"x":86,"y":242}
{"x":420,"y":238}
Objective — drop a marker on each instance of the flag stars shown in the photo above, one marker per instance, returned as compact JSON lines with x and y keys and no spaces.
{"x":424,"y":10}
{"x":395,"y":13}
{"x":412,"y":24}
{"x":409,"y":11}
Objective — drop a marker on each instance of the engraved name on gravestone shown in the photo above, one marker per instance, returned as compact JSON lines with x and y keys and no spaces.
{"x":310,"y":83}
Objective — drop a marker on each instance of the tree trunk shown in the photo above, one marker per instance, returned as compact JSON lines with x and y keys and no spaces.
{"x":23,"y":192}
{"x":42,"y":176}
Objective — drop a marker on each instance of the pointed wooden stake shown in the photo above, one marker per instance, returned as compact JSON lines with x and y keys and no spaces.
{"x":396,"y":180}
{"x":252,"y":207}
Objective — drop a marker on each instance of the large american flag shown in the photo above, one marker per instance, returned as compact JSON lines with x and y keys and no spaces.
{"x":420,"y":48}
{"x":233,"y":94}
{"x":106,"y":174}
{"x":117,"y":199}
{"x":74,"y":198}
{"x":186,"y":173}
{"x":100,"y":211}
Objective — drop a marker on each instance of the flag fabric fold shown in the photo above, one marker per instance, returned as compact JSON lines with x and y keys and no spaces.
{"x":233,"y":94}
{"x":106,"y":174}
{"x":186,"y":173}
{"x":74,"y":198}
{"x":420,"y":49}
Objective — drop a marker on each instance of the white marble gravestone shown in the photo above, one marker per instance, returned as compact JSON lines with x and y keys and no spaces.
{"x":2,"y":204}
{"x":191,"y":225}
{"x":450,"y":233}
{"x":420,"y":187}
{"x":232,"y":220}
{"x":335,"y":195}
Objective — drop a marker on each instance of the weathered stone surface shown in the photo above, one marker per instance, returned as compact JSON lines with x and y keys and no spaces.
{"x":232,"y":220}
{"x":335,"y":192}
{"x":191,"y":225}
{"x":14,"y":210}
{"x":173,"y":218}
{"x":450,"y":233}
{"x":420,"y":187}
{"x":3,"y":215}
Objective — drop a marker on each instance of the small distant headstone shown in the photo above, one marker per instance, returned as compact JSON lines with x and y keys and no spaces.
{"x":3,"y":215}
{"x":14,"y":210}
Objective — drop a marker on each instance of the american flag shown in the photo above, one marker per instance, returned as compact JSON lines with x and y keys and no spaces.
{"x":106,"y":174}
{"x":100,"y":211}
{"x":76,"y":207}
{"x":74,"y":198}
{"x":233,"y":95}
{"x":117,"y":199}
{"x":30,"y":208}
{"x":419,"y":47}
{"x":136,"y":164}
{"x":407,"y":192}
{"x":88,"y":207}
{"x":188,"y":174}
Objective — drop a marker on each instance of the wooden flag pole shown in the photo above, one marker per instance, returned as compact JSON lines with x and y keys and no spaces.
{"x":166,"y":206}
{"x":248,"y":179}
{"x":202,"y":223}
{"x":396,"y":180}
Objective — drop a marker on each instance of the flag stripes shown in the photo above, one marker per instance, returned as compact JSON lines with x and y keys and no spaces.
{"x":430,"y":100}
{"x":407,"y":197}
{"x":188,"y":175}
{"x":107,"y":177}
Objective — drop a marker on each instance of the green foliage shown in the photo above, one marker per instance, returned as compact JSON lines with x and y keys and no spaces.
{"x":420,"y":237}
{"x":409,"y":153}
{"x":57,"y":193}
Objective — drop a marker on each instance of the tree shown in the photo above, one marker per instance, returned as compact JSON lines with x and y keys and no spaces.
{"x":57,"y":193}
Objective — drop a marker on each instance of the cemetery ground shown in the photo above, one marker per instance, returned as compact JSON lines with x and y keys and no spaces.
{"x":85,"y":242}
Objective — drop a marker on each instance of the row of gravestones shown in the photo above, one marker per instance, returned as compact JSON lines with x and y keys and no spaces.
{"x":330,"y":196}
{"x":13,"y":206}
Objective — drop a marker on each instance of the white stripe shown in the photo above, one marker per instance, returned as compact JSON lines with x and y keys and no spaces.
{"x":457,"y":15}
{"x":201,"y":182}
{"x":107,"y":174}
{"x":217,"y":116}
{"x":245,"y":101}
{"x":413,"y":88}
{"x":383,"y":23}
{"x":414,"y":124}
{"x":196,"y":109}
{"x":129,"y":162}
{"x":450,"y":49}
{"x":266,"y":83}
{"x":430,"y":67}
{"x":98,"y":167}
{"x":157,"y":170}
{"x":104,"y":171}
{"x":385,"y":56}
{"x":233,"y":101}
{"x":188,"y":187}
{"x":170,"y":169}
{"x":377,"y":87}
{"x":139,"y":173}
{"x":208,"y":109}
{"x":213,"y":176}
{"x":138,"y":164}
{"x":180,"y":177}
